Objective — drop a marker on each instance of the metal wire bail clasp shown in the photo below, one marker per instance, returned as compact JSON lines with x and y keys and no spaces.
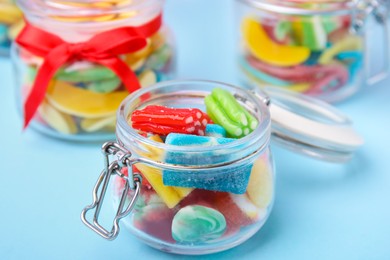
{"x":132,"y":181}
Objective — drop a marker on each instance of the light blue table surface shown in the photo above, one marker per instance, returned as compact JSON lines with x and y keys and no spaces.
{"x":321,"y":211}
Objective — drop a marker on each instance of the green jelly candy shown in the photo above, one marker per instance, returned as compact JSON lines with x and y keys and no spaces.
{"x":314,"y":34}
{"x":197,"y":224}
{"x":104,"y":86}
{"x":282,"y":29}
{"x":224,"y":110}
{"x":95,"y":73}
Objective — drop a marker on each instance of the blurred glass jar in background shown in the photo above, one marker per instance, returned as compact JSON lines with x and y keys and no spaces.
{"x":11,"y":23}
{"x":316,"y":48}
{"x":76,"y":61}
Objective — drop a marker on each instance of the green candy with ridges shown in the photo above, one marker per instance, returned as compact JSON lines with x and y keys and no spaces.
{"x":197,"y":224}
{"x":231,"y":107}
{"x":217,"y":114}
{"x":224,"y":109}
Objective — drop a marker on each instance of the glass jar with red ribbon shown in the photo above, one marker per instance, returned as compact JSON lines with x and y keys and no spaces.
{"x":77,"y":60}
{"x":318,"y":47}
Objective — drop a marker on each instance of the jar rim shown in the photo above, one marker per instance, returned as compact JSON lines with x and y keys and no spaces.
{"x":261,"y":135}
{"x":77,"y":7}
{"x":74,"y":9}
{"x":294,"y":7}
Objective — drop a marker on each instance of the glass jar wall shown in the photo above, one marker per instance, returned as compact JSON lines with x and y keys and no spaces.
{"x":80,"y":99}
{"x":194,"y":198}
{"x":315,"y":48}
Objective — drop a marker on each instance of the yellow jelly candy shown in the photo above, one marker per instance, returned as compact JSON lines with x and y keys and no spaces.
{"x":79,"y":19}
{"x":348,"y":43}
{"x":15,"y":29}
{"x":260,"y":187}
{"x":96,"y":124}
{"x":263,"y":48}
{"x":9,"y":13}
{"x":170,"y":195}
{"x":147,"y":78}
{"x":141,"y":54}
{"x":83,"y":103}
{"x":61,"y":122}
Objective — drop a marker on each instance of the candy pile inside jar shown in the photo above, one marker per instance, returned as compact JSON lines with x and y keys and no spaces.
{"x":314,"y":54}
{"x":191,"y":207}
{"x":83,"y":96}
{"x":11,"y":22}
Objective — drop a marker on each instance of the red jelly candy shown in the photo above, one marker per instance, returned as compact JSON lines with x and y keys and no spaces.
{"x":164,"y":120}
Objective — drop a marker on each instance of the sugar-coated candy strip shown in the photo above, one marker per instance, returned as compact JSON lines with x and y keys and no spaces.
{"x":164,"y":120}
{"x":224,"y":110}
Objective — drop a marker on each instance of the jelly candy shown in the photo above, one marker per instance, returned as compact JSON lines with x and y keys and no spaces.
{"x":197,"y":224}
{"x":163,"y":120}
{"x":259,"y":189}
{"x":223,"y":202}
{"x":96,"y":124}
{"x":154,"y":218}
{"x":170,"y":195}
{"x":10,"y":19}
{"x":268,"y":51}
{"x":215,"y":130}
{"x":63,"y":123}
{"x":310,"y":32}
{"x":229,"y":179}
{"x":347,"y":43}
{"x":247,"y":206}
{"x":81,"y":102}
{"x":224,"y":110}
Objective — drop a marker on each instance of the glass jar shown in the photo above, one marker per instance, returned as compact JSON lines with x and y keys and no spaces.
{"x":11,"y":22}
{"x":200,"y":199}
{"x":76,"y":61}
{"x":313,"y":47}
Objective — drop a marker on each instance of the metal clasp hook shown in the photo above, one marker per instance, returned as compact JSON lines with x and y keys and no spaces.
{"x":132,"y":181}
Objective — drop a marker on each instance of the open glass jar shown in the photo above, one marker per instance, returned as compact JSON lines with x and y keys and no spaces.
{"x":11,"y":22}
{"x":200,"y":199}
{"x":313,"y":47}
{"x":76,"y":61}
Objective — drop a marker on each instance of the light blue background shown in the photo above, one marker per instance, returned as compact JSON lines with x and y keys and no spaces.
{"x":322,"y":210}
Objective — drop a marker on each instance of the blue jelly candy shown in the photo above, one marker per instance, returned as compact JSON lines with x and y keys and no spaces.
{"x":215,"y":130}
{"x":228,"y":178}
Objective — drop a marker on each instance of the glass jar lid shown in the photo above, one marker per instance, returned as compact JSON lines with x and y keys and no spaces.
{"x":310,"y":126}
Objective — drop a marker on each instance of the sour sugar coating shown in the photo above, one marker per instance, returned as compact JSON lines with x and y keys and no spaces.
{"x":224,"y":110}
{"x":215,"y":130}
{"x":164,"y":120}
{"x":229,"y":179}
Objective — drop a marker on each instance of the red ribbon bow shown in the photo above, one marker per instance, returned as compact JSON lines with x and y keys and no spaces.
{"x":103,"y":48}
